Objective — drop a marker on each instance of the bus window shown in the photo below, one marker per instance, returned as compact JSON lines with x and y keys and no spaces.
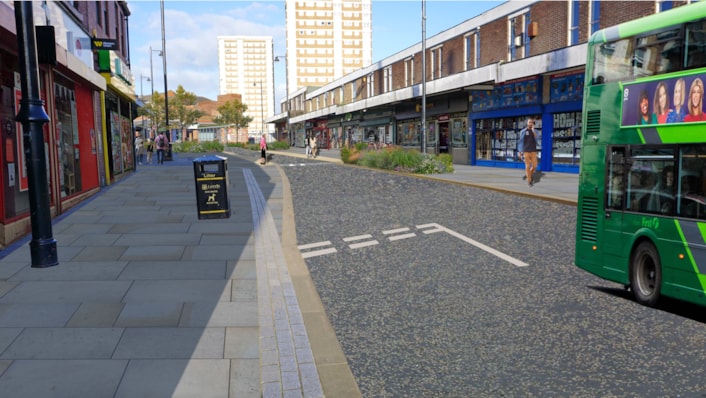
{"x":696,"y":45}
{"x":692,"y":182}
{"x":616,"y":179}
{"x":658,"y":53}
{"x":651,"y":181}
{"x":612,"y":61}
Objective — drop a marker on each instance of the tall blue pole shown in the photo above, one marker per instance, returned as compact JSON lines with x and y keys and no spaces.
{"x":32,"y":116}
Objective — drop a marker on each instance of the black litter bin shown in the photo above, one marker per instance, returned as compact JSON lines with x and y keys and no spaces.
{"x":211,"y":177}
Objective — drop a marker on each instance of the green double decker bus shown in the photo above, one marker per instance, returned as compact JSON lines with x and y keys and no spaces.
{"x":642,"y":188}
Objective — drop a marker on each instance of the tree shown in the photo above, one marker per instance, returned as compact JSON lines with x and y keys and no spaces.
{"x":154,"y":110}
{"x":232,"y":112}
{"x":183,"y":103}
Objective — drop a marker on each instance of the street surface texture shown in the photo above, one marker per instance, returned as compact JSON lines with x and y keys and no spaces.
{"x":434,"y":316}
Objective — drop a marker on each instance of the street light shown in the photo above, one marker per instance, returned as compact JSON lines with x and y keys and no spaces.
{"x":142,"y":98}
{"x":262,"y":110}
{"x":286,"y":96}
{"x":151,"y":69}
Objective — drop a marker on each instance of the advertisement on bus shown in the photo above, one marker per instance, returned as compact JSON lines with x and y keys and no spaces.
{"x":675,"y":100}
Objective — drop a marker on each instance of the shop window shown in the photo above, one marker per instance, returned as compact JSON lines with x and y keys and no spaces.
{"x":459,"y":133}
{"x":566,"y":138}
{"x":498,"y":139}
{"x":67,"y":130}
{"x":408,"y":133}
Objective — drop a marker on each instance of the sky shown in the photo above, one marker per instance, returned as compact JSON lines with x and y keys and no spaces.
{"x":191,"y":29}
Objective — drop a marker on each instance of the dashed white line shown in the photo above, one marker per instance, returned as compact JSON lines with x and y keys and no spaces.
{"x":313,"y":245}
{"x":315,"y":253}
{"x":403,"y":236}
{"x":395,"y":231}
{"x":363,"y":244}
{"x":359,"y":237}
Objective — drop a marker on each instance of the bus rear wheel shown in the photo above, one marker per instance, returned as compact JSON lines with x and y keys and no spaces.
{"x":646,"y":274}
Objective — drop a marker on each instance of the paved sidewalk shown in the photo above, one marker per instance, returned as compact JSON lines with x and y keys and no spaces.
{"x":149,"y":301}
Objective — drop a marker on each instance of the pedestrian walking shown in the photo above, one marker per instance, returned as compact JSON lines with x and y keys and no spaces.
{"x":139,"y":147}
{"x":263,"y":149}
{"x":161,"y":145}
{"x":527,"y":147}
{"x":314,"y":146}
{"x":307,"y":145}
{"x":150,"y":148}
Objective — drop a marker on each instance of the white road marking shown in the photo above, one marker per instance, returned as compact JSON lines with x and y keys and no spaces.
{"x":313,"y":245}
{"x":315,"y":253}
{"x":404,"y":236}
{"x":434,"y":229}
{"x":359,"y":237}
{"x":394,"y":231}
{"x":363,"y":244}
{"x":488,"y":249}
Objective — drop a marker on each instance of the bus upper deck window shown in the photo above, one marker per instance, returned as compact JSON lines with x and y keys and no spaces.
{"x":696,"y":45}
{"x":610,"y":63}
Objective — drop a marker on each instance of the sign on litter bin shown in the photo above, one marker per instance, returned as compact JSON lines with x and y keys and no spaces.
{"x":210,"y":174}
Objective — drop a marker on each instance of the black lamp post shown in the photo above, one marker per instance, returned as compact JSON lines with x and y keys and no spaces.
{"x":42,"y":247}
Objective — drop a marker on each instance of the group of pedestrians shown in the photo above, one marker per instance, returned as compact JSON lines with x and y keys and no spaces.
{"x":158,"y":143}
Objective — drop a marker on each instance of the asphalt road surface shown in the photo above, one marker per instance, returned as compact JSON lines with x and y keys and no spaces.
{"x":441,"y":290}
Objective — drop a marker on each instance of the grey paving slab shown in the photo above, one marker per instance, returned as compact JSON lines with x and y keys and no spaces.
{"x":7,"y":336}
{"x":150,"y":314}
{"x":175,"y":378}
{"x":217,"y":252}
{"x":244,"y":290}
{"x":62,"y":378}
{"x":4,"y":364}
{"x":209,"y":270}
{"x":223,"y":314}
{"x":179,"y":290}
{"x":171,"y":343}
{"x":173,"y":238}
{"x":95,"y":315}
{"x":10,"y":268}
{"x":148,"y":228}
{"x":87,"y":228}
{"x":43,"y":314}
{"x":241,"y":269}
{"x":67,"y":292}
{"x":153,"y":253}
{"x":93,"y":240}
{"x":73,"y":271}
{"x":227,"y":239}
{"x":242,"y":343}
{"x":63,"y":343}
{"x":100,"y":253}
{"x":245,"y":378}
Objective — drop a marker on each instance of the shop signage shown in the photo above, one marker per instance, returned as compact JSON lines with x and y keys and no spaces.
{"x":104,"y":44}
{"x":515,"y":93}
{"x":567,"y":86}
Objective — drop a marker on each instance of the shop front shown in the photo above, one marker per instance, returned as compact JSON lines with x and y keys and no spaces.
{"x":70,"y":96}
{"x":120,"y":110}
{"x":498,"y":116}
{"x":377,"y":127}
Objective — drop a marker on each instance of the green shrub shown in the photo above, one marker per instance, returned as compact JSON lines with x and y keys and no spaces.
{"x":197,"y":147}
